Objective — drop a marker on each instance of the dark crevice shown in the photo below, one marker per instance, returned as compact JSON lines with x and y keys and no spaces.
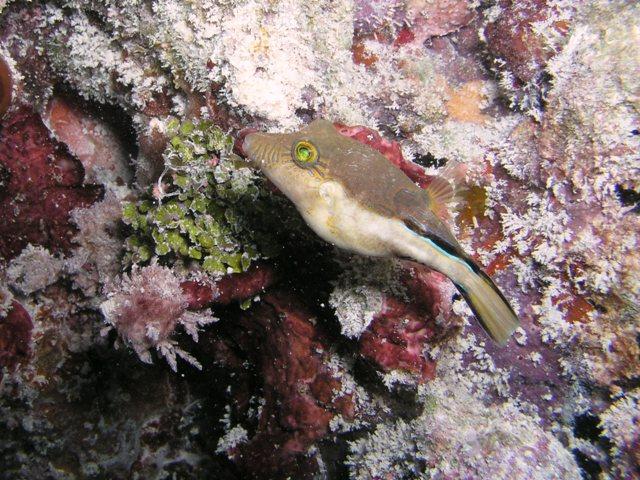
{"x":589,"y":468}
{"x":429,"y":161}
{"x":587,"y":426}
{"x":629,"y":198}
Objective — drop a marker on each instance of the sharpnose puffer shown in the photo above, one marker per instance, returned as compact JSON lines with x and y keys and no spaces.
{"x":353,"y":197}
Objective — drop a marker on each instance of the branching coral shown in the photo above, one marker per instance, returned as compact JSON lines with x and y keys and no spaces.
{"x":146,"y":308}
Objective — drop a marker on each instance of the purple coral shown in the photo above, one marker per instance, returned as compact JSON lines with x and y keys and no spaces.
{"x":146,"y":308}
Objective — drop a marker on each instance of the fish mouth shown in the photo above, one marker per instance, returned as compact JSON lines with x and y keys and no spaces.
{"x":238,"y":145}
{"x":248,"y":144}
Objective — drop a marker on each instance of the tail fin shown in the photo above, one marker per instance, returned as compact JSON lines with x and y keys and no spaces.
{"x":489,"y":305}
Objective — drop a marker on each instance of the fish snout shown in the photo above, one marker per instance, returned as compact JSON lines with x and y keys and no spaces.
{"x":260,"y":148}
{"x":250,"y":150}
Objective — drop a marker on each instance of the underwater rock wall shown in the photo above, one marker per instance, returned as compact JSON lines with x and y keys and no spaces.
{"x":166,"y":313}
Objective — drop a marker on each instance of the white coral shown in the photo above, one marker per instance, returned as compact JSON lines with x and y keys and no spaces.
{"x":456,"y":436}
{"x":34,"y":269}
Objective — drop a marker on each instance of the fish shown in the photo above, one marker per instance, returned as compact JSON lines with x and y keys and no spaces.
{"x":351,"y":196}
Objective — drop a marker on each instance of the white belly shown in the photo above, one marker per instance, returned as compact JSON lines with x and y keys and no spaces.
{"x":338,"y":219}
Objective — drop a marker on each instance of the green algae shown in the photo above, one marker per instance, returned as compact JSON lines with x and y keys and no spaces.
{"x":196,"y":212}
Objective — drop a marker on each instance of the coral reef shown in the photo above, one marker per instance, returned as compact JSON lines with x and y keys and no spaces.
{"x":129,"y":219}
{"x":67,"y":416}
{"x":402,"y":330}
{"x":521,"y":37}
{"x":490,"y":441}
{"x":302,"y":389}
{"x":41,"y":184}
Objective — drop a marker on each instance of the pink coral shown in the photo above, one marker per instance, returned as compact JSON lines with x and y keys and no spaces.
{"x":92,"y":141}
{"x":400,"y":332}
{"x":428,"y":18}
{"x":146,"y":307}
{"x":419,"y":19}
{"x":396,"y":338}
{"x":230,"y":288}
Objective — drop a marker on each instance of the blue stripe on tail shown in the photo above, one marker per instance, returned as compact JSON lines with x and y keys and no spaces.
{"x":442,"y":251}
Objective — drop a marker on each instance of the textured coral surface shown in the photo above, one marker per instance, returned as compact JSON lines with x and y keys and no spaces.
{"x":41,"y":184}
{"x":15,"y":336}
{"x":166,"y":313}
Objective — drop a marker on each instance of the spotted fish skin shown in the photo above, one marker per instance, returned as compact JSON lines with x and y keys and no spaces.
{"x":353,"y":197}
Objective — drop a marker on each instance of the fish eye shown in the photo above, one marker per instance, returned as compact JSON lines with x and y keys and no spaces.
{"x":305,"y":153}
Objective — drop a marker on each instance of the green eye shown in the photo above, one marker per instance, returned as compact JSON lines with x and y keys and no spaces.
{"x":305,"y":153}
